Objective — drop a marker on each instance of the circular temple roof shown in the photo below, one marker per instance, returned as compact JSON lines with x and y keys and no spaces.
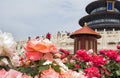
{"x":100,"y":3}
{"x":97,"y":16}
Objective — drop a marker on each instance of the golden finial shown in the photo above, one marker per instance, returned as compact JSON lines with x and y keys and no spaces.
{"x":85,"y":24}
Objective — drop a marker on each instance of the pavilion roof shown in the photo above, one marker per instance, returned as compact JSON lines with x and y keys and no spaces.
{"x":85,"y":30}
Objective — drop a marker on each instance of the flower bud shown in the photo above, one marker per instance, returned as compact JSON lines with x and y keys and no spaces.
{"x":118,"y":46}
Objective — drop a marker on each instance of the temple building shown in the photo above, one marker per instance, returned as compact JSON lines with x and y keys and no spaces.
{"x":103,"y":14}
{"x":104,"y":17}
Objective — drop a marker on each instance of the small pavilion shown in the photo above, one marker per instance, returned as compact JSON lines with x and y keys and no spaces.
{"x":85,"y":38}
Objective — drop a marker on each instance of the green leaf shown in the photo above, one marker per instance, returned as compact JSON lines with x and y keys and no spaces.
{"x":118,"y":73}
{"x":43,"y":67}
{"x":70,"y":65}
{"x":56,"y":67}
{"x":32,"y":71}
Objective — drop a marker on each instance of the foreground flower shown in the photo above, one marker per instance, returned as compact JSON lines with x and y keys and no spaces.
{"x":118,"y":46}
{"x":98,"y":60}
{"x":42,"y":46}
{"x":50,"y":73}
{"x":2,"y":73}
{"x":60,"y":63}
{"x":7,"y":44}
{"x":71,"y":74}
{"x":103,"y":51}
{"x":112,"y":54}
{"x":68,"y":74}
{"x":25,"y":76}
{"x":12,"y":74}
{"x":33,"y":55}
{"x":92,"y":72}
{"x":118,"y":58}
{"x":83,"y":56}
{"x":37,"y":49}
{"x":77,"y":66}
{"x":64,"y":51}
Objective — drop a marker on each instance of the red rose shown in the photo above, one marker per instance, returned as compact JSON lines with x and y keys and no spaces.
{"x":92,"y":72}
{"x":112,"y":54}
{"x":64,"y":51}
{"x":83,"y":56}
{"x":77,"y":66}
{"x":103,"y":51}
{"x":118,"y":46}
{"x":118,"y":58}
{"x":98,"y":60}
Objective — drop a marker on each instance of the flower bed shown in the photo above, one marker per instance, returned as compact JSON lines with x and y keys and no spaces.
{"x":42,"y":59}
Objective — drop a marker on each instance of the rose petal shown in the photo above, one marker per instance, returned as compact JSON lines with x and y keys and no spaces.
{"x":33,"y":55}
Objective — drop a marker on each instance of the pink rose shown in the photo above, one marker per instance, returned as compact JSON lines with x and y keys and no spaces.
{"x":50,"y":73}
{"x":25,"y":76}
{"x":2,"y":73}
{"x":33,"y":55}
{"x":13,"y":74}
{"x":42,"y":46}
{"x":37,"y":49}
{"x":118,"y":58}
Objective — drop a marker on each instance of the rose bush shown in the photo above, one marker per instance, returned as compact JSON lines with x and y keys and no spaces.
{"x":106,"y":64}
{"x":42,"y":59}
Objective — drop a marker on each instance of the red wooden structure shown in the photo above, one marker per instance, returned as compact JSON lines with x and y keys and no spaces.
{"x":85,"y":38}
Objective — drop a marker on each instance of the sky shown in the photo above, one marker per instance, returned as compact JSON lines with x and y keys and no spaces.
{"x":23,"y":18}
